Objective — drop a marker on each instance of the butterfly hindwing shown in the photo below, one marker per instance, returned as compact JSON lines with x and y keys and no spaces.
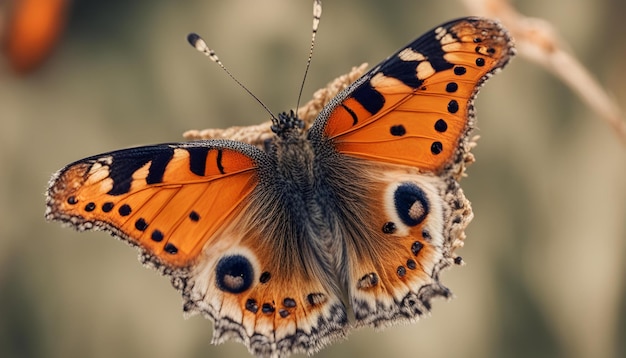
{"x":413,"y":224}
{"x":416,"y":107}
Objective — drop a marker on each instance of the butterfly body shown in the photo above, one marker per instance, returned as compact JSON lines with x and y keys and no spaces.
{"x":343,"y":223}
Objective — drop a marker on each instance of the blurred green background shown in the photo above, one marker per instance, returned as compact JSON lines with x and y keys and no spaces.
{"x":546,"y":268}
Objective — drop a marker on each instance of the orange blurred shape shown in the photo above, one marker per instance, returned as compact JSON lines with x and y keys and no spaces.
{"x":34,"y":28}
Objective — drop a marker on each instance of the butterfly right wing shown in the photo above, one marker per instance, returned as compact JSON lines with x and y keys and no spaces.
{"x":405,"y":127}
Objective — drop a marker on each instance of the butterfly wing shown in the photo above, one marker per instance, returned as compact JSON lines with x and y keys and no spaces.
{"x":202,"y":213}
{"x":416,"y":107}
{"x":405,"y":125}
{"x":168,"y":199}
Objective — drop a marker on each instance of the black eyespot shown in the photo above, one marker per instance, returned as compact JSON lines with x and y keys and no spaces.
{"x":234,"y":274}
{"x":480,"y":62}
{"x":459,"y":70}
{"x":411,"y":204}
{"x":72,"y":200}
{"x":401,"y":271}
{"x":90,"y":207}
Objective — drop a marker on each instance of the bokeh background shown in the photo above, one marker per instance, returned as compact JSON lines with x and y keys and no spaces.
{"x":546,"y":268}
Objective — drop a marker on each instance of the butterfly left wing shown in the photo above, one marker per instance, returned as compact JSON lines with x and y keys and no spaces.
{"x":404,"y":126}
{"x":168,"y":199}
{"x":203,"y":213}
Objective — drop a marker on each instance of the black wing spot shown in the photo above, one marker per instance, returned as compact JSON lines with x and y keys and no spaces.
{"x":267,"y":308}
{"x":252,"y":306}
{"x":265,"y":277}
{"x":436,"y":148}
{"x":460,"y":70}
{"x":234,"y":274}
{"x":108,"y":206}
{"x":141,"y":224}
{"x":441,"y":126}
{"x":389,"y":227}
{"x":157,"y":236}
{"x":397,"y":130}
{"x":170,"y":248}
{"x":194,"y":216}
{"x":411,"y":264}
{"x":289,"y":302}
{"x":453,"y":106}
{"x":452,"y":87}
{"x":90,"y":206}
{"x":124,"y":210}
{"x":416,"y":247}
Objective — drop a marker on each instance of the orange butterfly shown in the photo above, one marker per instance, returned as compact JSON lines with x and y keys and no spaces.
{"x":32,"y":31}
{"x":358,"y":213}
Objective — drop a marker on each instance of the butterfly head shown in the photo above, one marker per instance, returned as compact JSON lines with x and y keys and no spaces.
{"x":287,"y":125}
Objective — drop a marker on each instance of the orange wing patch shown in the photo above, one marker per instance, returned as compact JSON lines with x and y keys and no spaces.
{"x":416,"y":107}
{"x":168,"y":199}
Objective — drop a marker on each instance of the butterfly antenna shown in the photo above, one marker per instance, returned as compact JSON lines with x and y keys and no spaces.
{"x":317,"y":14}
{"x":198,"y":43}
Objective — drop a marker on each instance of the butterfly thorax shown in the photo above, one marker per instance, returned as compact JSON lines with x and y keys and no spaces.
{"x":299,"y":203}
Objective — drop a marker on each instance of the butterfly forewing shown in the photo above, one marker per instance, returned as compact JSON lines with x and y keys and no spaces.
{"x":415,"y":107}
{"x":168,"y":199}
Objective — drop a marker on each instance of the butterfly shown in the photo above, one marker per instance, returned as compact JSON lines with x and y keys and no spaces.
{"x":342,"y":224}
